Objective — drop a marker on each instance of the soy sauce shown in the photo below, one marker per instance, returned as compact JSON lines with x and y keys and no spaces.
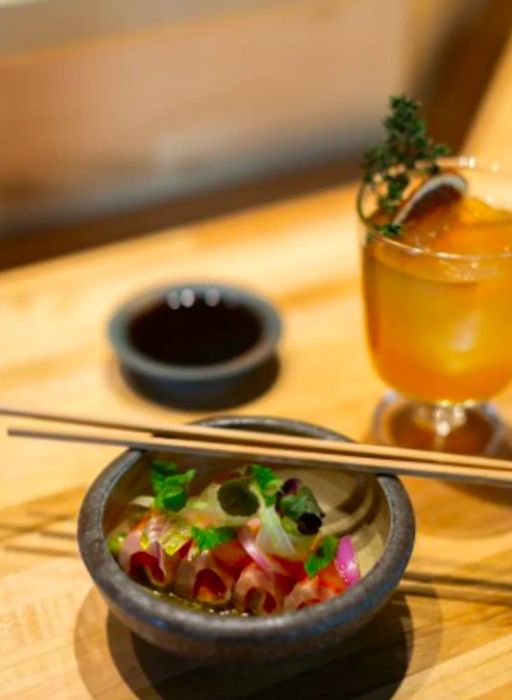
{"x":194,"y":329}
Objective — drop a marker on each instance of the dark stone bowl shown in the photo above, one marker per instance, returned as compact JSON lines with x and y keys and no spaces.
{"x":381,"y":522}
{"x":207,"y":386}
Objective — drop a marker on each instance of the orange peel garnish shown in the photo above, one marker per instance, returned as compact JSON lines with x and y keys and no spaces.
{"x":437,"y":190}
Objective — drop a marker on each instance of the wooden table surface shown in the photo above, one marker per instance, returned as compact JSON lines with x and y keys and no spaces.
{"x":447,"y":632}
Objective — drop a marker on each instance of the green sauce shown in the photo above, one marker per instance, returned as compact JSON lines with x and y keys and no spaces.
{"x":194,"y":605}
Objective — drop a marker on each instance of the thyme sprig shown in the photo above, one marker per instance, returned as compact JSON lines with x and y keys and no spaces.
{"x":406,"y":149}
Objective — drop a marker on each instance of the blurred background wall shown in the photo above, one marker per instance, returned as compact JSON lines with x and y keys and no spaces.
{"x":113,"y":113}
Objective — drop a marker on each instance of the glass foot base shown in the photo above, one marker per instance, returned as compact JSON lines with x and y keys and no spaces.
{"x":401,"y":422}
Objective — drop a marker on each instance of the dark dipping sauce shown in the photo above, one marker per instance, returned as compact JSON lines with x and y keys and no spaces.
{"x":191,"y":329}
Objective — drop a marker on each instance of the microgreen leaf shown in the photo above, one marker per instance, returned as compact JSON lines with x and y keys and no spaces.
{"x":172,"y":497}
{"x":236,"y":497}
{"x":170,"y":487}
{"x":160,"y":471}
{"x":322,"y":556}
{"x":301,"y":507}
{"x":267,"y":482}
{"x":211,"y":537}
{"x":391,"y":230}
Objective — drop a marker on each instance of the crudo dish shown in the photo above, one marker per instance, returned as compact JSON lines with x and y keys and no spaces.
{"x":250,"y":542}
{"x":213,"y":559}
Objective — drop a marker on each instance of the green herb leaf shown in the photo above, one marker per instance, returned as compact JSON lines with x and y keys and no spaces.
{"x":172,"y":497}
{"x":289,"y":526}
{"x":115,"y":542}
{"x":304,"y":501}
{"x":391,"y":230}
{"x":406,"y":149}
{"x":236,"y":497}
{"x":160,"y":471}
{"x":322,"y":556}
{"x":171,"y":487}
{"x":302,"y":507}
{"x":267,"y":482}
{"x":211,"y":537}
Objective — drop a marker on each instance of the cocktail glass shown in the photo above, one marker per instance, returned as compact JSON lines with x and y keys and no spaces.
{"x":439,"y":324}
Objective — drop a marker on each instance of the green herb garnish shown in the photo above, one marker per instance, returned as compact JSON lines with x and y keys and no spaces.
{"x":303,"y":509}
{"x":391,"y":230}
{"x":236,"y":498}
{"x":160,"y":471}
{"x":170,"y":487}
{"x":289,"y":526}
{"x":211,"y":537}
{"x":406,"y":149}
{"x":322,"y":556}
{"x":267,"y":482}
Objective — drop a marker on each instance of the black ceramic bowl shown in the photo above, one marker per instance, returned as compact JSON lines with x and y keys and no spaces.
{"x":197,"y":346}
{"x":376,"y":511}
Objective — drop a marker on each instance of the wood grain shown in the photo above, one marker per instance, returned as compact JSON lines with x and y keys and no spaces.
{"x":446,"y":634}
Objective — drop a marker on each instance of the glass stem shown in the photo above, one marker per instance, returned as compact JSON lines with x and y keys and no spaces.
{"x":440,"y":420}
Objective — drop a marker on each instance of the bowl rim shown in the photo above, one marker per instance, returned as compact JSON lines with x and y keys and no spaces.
{"x":135,"y":601}
{"x":137,"y":361}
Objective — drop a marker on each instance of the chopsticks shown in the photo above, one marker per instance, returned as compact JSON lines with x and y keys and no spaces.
{"x":250,"y":437}
{"x":271,"y":449}
{"x":282,"y":456}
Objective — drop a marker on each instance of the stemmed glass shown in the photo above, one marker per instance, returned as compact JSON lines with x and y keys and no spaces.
{"x":439,"y":326}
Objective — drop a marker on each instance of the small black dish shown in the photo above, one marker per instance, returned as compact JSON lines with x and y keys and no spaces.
{"x":197,"y":346}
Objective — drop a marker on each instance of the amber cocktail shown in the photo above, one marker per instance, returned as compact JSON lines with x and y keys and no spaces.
{"x":438,"y":301}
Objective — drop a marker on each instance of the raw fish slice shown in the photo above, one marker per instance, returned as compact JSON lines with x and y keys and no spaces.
{"x":326,"y":584}
{"x":149,"y":559}
{"x":232,"y":557}
{"x":306,"y":593}
{"x":259,"y":592}
{"x":199,"y":577}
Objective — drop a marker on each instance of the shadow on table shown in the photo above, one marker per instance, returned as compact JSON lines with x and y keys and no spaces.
{"x":374,"y":661}
{"x":494,"y":589}
{"x":253,"y":387}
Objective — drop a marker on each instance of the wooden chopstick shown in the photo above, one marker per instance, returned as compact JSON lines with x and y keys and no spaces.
{"x":281,"y":456}
{"x":252,"y":438}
